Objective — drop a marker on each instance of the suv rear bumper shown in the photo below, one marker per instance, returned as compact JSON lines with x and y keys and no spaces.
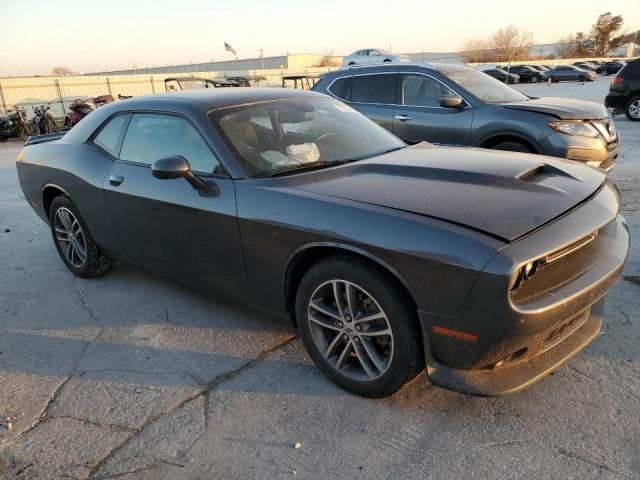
{"x":615,"y":101}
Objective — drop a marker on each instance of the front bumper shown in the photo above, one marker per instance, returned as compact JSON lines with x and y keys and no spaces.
{"x":517,"y":377}
{"x":595,"y":152}
{"x":527,"y":333}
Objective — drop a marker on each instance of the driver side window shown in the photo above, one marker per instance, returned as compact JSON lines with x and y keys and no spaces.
{"x":153,"y":136}
{"x":422,"y":91}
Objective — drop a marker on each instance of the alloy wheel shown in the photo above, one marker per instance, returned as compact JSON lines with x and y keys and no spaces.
{"x":634,"y":109}
{"x":350,"y":330}
{"x":70,"y":237}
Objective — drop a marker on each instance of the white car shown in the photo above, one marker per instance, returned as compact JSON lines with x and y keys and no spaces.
{"x":372,"y":56}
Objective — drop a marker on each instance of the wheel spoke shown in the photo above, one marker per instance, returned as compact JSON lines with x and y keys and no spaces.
{"x":343,"y":355}
{"x":337,"y":295}
{"x":363,"y":357}
{"x":370,"y":317}
{"x":373,"y":354}
{"x":332,"y":346}
{"x":322,"y":322}
{"x":325,"y":309}
{"x":64,"y":219}
{"x":81,"y":251}
{"x":375,"y":332}
{"x":352,"y":300}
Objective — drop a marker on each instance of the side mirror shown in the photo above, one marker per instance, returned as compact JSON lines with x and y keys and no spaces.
{"x":175,"y":166}
{"x":451,"y":101}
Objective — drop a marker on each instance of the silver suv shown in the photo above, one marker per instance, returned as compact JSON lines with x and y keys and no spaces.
{"x":457,"y":105}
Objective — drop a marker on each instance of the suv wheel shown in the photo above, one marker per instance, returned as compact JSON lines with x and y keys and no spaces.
{"x":512,"y":146}
{"x":359,"y":327}
{"x":632,"y":110}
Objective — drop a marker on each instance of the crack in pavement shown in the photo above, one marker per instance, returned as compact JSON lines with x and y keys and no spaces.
{"x":202,"y":392}
{"x":594,"y":463}
{"x":74,"y":369}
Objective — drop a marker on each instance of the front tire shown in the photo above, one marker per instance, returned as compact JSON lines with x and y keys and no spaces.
{"x":534,"y":79}
{"x":632,"y":109}
{"x":359,"y":326}
{"x":512,"y":146}
{"x":74,"y":242}
{"x":30,"y":130}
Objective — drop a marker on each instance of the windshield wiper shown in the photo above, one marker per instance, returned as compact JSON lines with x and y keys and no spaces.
{"x":304,"y":166}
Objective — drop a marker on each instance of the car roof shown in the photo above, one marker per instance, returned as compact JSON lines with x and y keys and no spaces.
{"x":404,"y":66}
{"x":219,"y":97}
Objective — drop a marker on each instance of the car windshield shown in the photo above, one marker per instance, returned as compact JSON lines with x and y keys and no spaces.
{"x":484,"y":87}
{"x":287,"y":135}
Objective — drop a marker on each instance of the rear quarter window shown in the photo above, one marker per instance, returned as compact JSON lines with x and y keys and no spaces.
{"x":110,"y":135}
{"x":340,"y":88}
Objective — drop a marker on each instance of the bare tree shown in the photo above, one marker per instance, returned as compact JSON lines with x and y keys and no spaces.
{"x":604,"y":32}
{"x":566,"y":47}
{"x":511,"y":43}
{"x":475,"y":50}
{"x":60,"y":71}
{"x":328,"y":61}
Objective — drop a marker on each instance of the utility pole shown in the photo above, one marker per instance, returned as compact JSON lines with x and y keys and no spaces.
{"x":261,"y":50}
{"x":135,"y":68}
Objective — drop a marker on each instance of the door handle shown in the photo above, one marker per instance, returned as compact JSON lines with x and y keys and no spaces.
{"x":115,"y":180}
{"x":402,"y":118}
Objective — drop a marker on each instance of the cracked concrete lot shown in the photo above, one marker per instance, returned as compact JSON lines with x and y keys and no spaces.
{"x":132,"y":376}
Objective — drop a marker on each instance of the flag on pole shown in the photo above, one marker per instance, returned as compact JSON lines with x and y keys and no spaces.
{"x":229,"y":48}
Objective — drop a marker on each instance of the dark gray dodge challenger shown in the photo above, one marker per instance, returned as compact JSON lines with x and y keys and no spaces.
{"x":487,"y":268}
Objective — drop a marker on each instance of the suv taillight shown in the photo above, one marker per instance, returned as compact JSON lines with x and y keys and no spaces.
{"x":617,"y":81}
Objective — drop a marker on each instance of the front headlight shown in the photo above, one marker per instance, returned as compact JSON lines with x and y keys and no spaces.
{"x":526,"y":272}
{"x":579,"y":128}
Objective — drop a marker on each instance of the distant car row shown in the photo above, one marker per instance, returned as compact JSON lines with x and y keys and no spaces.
{"x":579,"y":71}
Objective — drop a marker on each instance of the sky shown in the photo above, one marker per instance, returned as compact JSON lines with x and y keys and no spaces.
{"x":91,"y":35}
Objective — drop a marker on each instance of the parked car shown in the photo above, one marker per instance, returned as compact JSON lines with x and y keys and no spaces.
{"x":540,"y":68}
{"x":372,"y":56}
{"x":487,"y":267}
{"x":566,"y":73}
{"x":194,"y":83}
{"x":502,"y":75}
{"x":611,"y":68}
{"x":624,"y":91}
{"x":456,"y":105}
{"x":592,"y":67}
{"x":526,"y":73}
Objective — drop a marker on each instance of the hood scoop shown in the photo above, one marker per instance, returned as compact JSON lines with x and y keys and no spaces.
{"x":540,"y":173}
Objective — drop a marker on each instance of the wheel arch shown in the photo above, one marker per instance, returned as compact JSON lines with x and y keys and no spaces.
{"x":301,"y":260}
{"x":493,"y":140}
{"x":49,"y":192}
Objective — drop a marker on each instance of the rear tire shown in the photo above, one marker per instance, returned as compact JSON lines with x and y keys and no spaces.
{"x":632,"y":109}
{"x":582,"y":78}
{"x":534,"y":79}
{"x":74,"y":242}
{"x":386,"y":60}
{"x":512,"y":146}
{"x":31,"y":130}
{"x":372,"y":358}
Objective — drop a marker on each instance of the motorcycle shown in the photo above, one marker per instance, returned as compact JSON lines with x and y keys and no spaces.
{"x":79,"y":109}
{"x":43,"y":118}
{"x":15,"y":124}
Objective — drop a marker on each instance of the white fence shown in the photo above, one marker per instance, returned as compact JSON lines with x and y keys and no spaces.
{"x":59,"y":92}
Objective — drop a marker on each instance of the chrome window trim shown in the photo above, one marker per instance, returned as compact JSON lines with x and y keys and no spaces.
{"x":468,"y":104}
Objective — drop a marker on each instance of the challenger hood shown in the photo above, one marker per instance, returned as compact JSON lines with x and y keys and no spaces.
{"x":505,"y":194}
{"x":562,"y":108}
